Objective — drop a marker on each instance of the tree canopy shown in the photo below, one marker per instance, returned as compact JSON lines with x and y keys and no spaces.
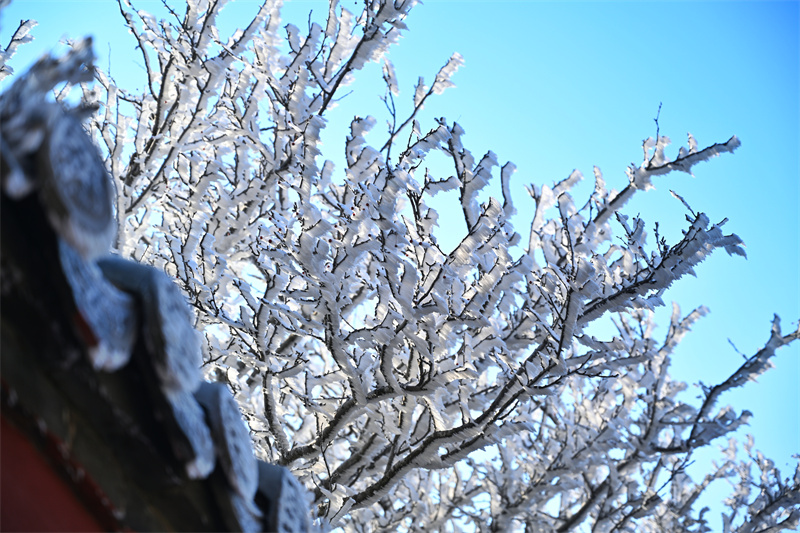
{"x":412,"y":386}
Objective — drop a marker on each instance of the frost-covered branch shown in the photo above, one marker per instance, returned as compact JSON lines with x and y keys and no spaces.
{"x":20,"y":37}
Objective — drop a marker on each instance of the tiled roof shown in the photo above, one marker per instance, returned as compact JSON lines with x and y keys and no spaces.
{"x":100,"y":362}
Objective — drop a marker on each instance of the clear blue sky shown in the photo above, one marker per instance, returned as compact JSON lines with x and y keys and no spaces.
{"x":554,"y":86}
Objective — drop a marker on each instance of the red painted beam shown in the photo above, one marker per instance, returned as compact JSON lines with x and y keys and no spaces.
{"x":33,"y":496}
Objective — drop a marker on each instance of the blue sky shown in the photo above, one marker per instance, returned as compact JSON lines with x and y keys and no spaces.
{"x":557,"y":86}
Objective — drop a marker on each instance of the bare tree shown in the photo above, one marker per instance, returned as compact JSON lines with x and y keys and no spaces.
{"x":373,"y":362}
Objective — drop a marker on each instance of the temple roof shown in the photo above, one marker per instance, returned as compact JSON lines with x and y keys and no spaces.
{"x":100,"y":361}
